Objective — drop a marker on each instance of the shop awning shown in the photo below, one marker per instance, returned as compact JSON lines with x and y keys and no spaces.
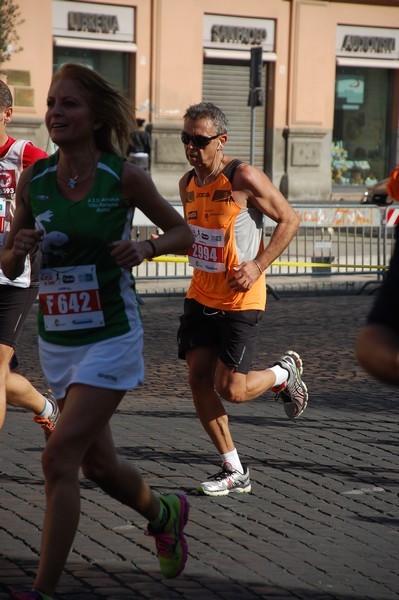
{"x":376,"y":63}
{"x":112,"y":46}
{"x":237,"y":54}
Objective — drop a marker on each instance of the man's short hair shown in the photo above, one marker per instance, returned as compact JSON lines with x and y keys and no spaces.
{"x":207,"y":110}
{"x":5,"y":96}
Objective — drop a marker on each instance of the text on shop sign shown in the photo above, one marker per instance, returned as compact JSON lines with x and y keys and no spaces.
{"x":363,"y":43}
{"x":93,"y":22}
{"x":241,"y":35}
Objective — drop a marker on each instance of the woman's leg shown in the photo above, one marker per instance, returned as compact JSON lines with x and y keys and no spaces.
{"x":84,"y":439}
{"x":118,"y":478}
{"x":86,"y":412}
{"x":167,"y":514}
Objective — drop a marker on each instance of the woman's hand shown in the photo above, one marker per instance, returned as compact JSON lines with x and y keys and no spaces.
{"x":26,"y":240}
{"x":129,"y":254}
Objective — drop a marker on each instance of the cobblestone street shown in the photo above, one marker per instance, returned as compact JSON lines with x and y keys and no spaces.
{"x":322,"y":520}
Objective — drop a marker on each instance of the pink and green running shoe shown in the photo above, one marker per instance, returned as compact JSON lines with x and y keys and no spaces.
{"x":170,"y":542}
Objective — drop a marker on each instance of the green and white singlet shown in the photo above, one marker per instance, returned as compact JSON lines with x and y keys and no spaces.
{"x":85,"y":297}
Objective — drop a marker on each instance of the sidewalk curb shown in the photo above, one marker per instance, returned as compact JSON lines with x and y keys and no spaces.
{"x":276,"y":286}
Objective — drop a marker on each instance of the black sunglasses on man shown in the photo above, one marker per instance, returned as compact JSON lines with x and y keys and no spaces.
{"x":199,"y":141}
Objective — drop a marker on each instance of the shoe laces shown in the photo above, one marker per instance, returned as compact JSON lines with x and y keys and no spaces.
{"x":221,"y":475}
{"x":295,"y":389}
{"x":279,"y":388}
{"x":45,"y":422}
{"x":164,"y":543}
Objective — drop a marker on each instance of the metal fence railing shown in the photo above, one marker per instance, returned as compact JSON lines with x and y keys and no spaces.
{"x":338,"y":239}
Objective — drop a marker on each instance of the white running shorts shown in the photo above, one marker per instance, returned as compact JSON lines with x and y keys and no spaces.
{"x":116,"y":363}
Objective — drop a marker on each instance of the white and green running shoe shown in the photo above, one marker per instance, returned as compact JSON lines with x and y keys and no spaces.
{"x":225,"y":481}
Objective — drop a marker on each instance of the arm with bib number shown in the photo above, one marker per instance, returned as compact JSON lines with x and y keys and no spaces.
{"x":23,"y":237}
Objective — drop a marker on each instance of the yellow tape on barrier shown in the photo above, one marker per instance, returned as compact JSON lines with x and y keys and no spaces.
{"x":280,"y":263}
{"x":336,"y":265}
{"x":176,"y":259}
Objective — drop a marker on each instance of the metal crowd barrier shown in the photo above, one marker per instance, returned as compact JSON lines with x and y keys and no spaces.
{"x":333,"y":239}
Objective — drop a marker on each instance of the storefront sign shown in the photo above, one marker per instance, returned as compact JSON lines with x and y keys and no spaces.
{"x":95,"y":23}
{"x":364,"y":43}
{"x":88,"y":21}
{"x":238,"y":33}
{"x":367,"y":42}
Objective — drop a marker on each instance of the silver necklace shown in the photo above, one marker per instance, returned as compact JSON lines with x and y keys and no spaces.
{"x":73,"y":179}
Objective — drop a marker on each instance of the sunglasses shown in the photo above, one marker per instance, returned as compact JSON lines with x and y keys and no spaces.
{"x":199,"y":141}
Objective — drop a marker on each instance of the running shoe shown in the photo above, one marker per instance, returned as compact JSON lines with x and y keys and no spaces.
{"x":170,"y":542}
{"x":48,"y":423}
{"x":225,"y":481}
{"x":33,"y":595}
{"x":293,"y":392}
{"x":279,"y":388}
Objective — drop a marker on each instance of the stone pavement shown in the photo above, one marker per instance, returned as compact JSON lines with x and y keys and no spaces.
{"x":322,"y":520}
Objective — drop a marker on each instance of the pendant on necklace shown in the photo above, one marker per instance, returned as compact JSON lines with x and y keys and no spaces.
{"x":72,"y":182}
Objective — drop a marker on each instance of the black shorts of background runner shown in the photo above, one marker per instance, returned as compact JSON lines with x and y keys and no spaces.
{"x":234,"y":332}
{"x":15,"y":305}
{"x":385,"y":310}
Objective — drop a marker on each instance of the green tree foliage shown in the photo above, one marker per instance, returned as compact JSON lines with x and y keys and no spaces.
{"x":10,"y":19}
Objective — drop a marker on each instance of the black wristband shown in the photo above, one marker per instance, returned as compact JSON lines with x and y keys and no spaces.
{"x":153,"y":247}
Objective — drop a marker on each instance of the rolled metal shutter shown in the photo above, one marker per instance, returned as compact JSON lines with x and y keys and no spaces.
{"x":226,"y":84}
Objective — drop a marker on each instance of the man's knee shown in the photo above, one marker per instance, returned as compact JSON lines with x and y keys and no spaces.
{"x":230,"y":385}
{"x":231,"y":392}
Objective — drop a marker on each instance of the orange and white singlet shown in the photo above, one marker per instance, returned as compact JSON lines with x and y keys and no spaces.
{"x":225,"y":236}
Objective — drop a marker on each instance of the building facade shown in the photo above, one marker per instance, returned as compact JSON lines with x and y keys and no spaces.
{"x":327,"y":115}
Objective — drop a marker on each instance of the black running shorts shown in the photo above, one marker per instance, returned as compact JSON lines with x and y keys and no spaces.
{"x":234,"y":333}
{"x":15,"y":305}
